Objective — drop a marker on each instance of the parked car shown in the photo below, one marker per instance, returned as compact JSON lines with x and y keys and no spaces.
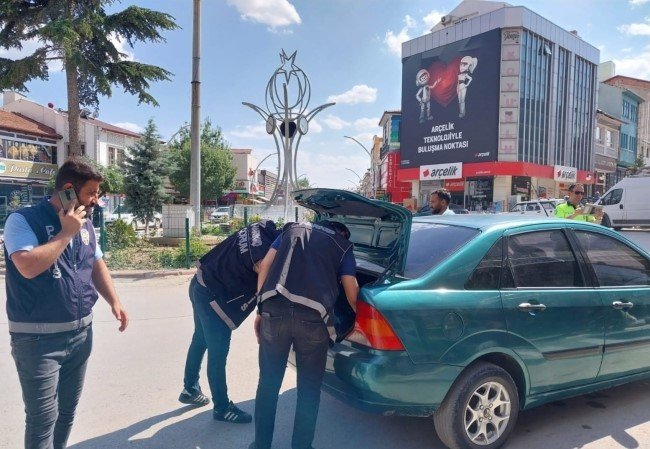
{"x":626,"y":204}
{"x":471,"y":319}
{"x":125,"y":214}
{"x":542,"y":207}
{"x":220,"y":215}
{"x":426,"y":209}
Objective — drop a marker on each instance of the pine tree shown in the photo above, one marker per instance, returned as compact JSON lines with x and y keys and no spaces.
{"x":81,"y":35}
{"x":145,"y":169}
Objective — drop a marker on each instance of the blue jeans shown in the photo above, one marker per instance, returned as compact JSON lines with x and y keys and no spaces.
{"x":213,"y":335}
{"x":51,"y":369}
{"x":285,"y":324}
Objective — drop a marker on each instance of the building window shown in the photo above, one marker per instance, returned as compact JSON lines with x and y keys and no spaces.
{"x":608,"y":138}
{"x":598,"y":135}
{"x":115,"y":156}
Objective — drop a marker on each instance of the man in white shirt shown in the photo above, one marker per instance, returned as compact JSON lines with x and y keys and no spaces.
{"x":439,"y":202}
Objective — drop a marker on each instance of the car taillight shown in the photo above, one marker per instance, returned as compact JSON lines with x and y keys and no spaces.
{"x":371,"y":329}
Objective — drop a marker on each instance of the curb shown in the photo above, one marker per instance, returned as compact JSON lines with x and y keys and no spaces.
{"x":141,"y":274}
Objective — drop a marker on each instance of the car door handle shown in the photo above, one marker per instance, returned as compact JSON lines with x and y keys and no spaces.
{"x":528,"y":307}
{"x":620,"y":206}
{"x":618,"y":305}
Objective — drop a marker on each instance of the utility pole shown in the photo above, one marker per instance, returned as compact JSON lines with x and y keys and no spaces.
{"x":195,"y":138}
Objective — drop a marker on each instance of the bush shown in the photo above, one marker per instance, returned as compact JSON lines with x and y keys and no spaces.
{"x":120,"y":235}
{"x":176,"y":258}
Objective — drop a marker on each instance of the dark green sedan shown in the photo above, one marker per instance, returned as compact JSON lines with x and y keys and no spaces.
{"x":471,"y":319}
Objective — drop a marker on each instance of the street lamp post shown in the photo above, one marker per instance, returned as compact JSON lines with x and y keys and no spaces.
{"x":372,"y":163}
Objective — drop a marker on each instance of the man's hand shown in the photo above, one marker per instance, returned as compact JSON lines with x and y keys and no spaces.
{"x":120,"y":313}
{"x":258,"y":323}
{"x":72,"y":220}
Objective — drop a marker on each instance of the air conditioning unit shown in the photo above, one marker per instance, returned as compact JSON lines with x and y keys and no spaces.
{"x":445,"y":20}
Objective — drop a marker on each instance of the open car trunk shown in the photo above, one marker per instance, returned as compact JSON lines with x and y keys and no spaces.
{"x":379,"y":231}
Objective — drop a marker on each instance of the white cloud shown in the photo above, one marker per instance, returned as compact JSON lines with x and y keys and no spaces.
{"x":638,"y":2}
{"x":393,"y":40}
{"x":360,"y":93}
{"x":119,"y":45}
{"x":636,"y":29}
{"x":134,"y":127}
{"x":365,"y":138}
{"x":250,"y":131}
{"x":324,"y":169}
{"x":315,"y":127}
{"x":334,"y":122}
{"x":626,"y":50}
{"x":274,"y":13}
{"x":366,"y":124}
{"x":636,"y":67}
{"x":431,"y":20}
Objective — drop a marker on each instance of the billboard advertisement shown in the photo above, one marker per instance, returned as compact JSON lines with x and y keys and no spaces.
{"x":450,"y":102}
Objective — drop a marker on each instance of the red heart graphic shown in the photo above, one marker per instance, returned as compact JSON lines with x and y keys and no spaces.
{"x":447,"y":74}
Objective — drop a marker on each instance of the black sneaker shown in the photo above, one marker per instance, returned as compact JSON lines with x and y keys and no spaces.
{"x":232,"y":414}
{"x":198,"y":398}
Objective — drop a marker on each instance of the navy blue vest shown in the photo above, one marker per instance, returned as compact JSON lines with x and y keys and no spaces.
{"x":62,"y":297}
{"x":227,"y":271}
{"x":306,"y":266}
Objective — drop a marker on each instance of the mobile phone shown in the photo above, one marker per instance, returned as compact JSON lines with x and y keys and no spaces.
{"x":592,"y":208}
{"x":68,"y":196}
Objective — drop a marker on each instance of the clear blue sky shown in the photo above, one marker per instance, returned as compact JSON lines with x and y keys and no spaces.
{"x":349,"y":50}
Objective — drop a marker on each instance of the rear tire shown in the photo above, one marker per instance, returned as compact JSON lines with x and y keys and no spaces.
{"x":480,"y":410}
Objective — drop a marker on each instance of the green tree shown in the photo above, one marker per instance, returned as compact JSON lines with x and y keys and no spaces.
{"x":639,"y":165}
{"x":145,"y":169}
{"x":303,"y":183}
{"x":217,"y":169}
{"x":82,"y":36}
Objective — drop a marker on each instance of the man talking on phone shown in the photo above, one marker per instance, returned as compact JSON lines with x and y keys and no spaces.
{"x":55,"y":271}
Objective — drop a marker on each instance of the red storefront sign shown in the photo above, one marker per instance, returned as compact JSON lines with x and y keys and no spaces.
{"x":397,"y":190}
{"x":455,"y":185}
{"x":500,"y":169}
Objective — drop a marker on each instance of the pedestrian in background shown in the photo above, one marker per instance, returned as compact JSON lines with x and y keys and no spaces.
{"x":439,"y":201}
{"x":223,"y":295}
{"x":298,"y":287}
{"x":55,"y":270}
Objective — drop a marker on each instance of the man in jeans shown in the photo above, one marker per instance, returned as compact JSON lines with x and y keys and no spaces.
{"x":223,"y":295}
{"x":298,"y":286}
{"x":54,"y":273}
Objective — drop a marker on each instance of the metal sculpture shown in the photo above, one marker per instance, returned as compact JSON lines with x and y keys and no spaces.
{"x":286,"y":116}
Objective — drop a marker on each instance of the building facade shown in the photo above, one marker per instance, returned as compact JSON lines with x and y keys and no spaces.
{"x":623,"y":104}
{"x":388,"y":160}
{"x":642,"y":89}
{"x":498,"y":105}
{"x":606,"y":150}
{"x":28,"y":161}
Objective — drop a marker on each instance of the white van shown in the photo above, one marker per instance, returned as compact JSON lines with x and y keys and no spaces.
{"x":627,"y":203}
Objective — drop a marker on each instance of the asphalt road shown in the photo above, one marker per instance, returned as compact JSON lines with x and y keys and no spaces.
{"x":133,"y":381}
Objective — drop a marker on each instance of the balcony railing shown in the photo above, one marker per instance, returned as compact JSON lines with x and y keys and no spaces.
{"x":606,"y":150}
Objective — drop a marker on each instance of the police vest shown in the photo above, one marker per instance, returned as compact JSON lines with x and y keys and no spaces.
{"x":62,"y":297}
{"x":306,"y":266}
{"x":227,"y":271}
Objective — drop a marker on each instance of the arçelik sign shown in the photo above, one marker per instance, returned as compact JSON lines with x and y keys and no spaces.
{"x":441,"y":171}
{"x":565,"y":174}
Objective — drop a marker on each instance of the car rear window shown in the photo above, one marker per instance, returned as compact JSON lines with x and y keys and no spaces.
{"x":431,"y":243}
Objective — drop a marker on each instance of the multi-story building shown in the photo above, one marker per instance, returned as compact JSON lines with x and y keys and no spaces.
{"x":498,"y":104}
{"x":266,"y":181}
{"x":388,"y":162}
{"x":623,"y":104}
{"x":37,"y":135}
{"x":607,"y":138}
{"x":642,"y":89}
{"x":101,"y":142}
